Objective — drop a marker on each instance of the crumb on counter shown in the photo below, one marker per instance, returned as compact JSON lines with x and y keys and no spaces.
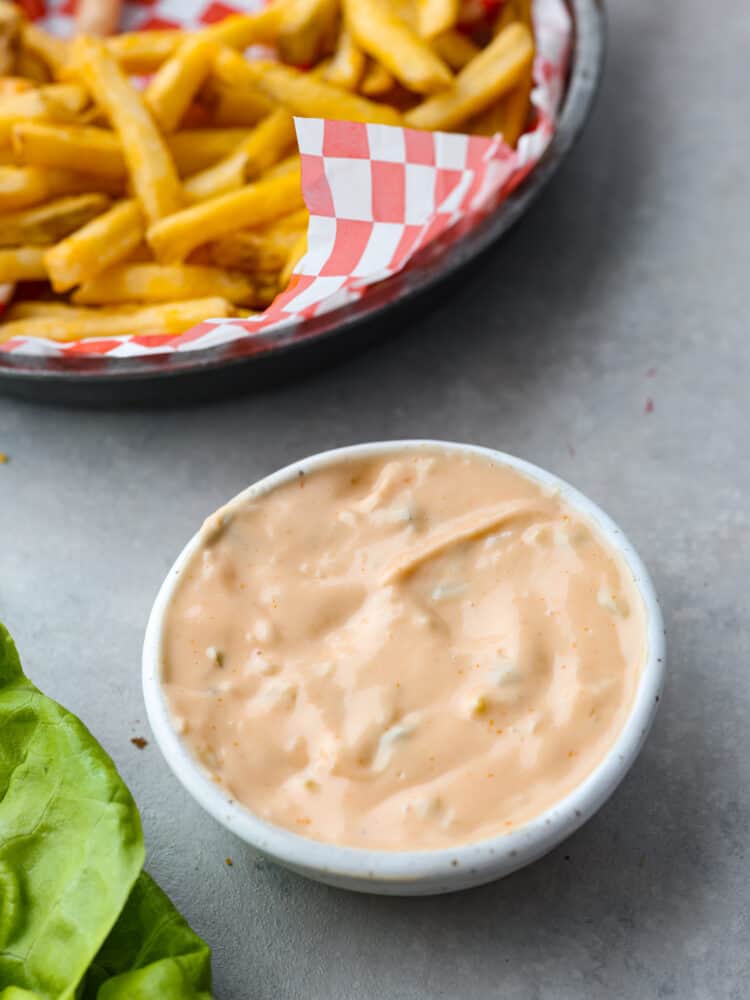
{"x":139,"y":741}
{"x":229,"y":862}
{"x":4,"y":459}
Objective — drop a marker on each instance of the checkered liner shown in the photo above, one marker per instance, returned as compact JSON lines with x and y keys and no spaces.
{"x":377,"y":194}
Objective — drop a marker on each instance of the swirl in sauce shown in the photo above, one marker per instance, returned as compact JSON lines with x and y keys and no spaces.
{"x":410,"y":651}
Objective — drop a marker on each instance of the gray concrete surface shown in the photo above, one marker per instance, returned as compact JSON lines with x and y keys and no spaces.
{"x":627,"y":283}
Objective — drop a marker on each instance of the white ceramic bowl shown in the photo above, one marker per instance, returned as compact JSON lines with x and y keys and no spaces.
{"x":415,"y":872}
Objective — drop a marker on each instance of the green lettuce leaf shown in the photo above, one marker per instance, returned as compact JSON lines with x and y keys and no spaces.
{"x":151,"y":952}
{"x":78,"y":919}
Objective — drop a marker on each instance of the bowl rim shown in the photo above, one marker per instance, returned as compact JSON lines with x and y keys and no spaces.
{"x":484,"y":859}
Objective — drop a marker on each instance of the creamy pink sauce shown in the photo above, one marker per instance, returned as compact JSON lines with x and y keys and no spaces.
{"x":403,"y":652}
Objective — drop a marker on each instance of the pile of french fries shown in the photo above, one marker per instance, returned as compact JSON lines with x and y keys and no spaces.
{"x":131,"y":209}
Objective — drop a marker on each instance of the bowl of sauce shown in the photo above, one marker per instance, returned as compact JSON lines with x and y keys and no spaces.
{"x":404,"y":667}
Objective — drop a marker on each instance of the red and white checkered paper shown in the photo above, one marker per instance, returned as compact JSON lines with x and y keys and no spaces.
{"x":377,"y":194}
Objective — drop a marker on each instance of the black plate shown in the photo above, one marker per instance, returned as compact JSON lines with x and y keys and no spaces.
{"x":269,"y":358}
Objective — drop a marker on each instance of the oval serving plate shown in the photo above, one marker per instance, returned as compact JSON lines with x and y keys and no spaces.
{"x":271,"y":357}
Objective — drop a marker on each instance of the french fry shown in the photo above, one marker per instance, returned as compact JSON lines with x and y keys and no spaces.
{"x":10,"y":85}
{"x":52,"y":51}
{"x":306,"y":30}
{"x":239,"y":31}
{"x":171,"y":91}
{"x":196,"y":149}
{"x":174,"y":238}
{"x":348,"y":63}
{"x":21,"y":187}
{"x":98,"y":17}
{"x":511,"y":11}
{"x":229,"y":106}
{"x":79,"y":324}
{"x":45,"y":224}
{"x":157,"y":283}
{"x":150,"y":164}
{"x":262,"y":148}
{"x":32,"y":67}
{"x":98,"y":151}
{"x":379,"y":32}
{"x":10,"y":25}
{"x":95,"y":151}
{"x":291,"y":222}
{"x":256,"y":251}
{"x":68,"y":98}
{"x":37,"y":308}
{"x":436,"y":16}
{"x":511,"y":115}
{"x":100,"y":244}
{"x":56,"y":102}
{"x":377,"y":80}
{"x":490,"y":75}
{"x":301,"y":93}
{"x":508,"y":116}
{"x":22,"y":264}
{"x":286,"y":166}
{"x":455,"y":49}
{"x":142,"y":52}
{"x":296,"y":254}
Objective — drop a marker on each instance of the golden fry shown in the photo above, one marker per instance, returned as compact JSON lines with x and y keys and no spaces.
{"x":52,"y":51}
{"x":45,"y":224}
{"x":144,"y":51}
{"x":296,"y":254}
{"x":513,"y":10}
{"x":196,"y":149}
{"x":495,"y":71}
{"x":436,"y":16}
{"x":31,"y":67}
{"x":99,"y":151}
{"x":256,"y":251}
{"x":102,"y":243}
{"x":286,"y":166}
{"x":37,"y":308}
{"x":10,"y":24}
{"x":306,"y":30}
{"x":301,"y":93}
{"x":171,"y":91}
{"x":157,"y":283}
{"x":397,"y":46}
{"x":56,"y":102}
{"x":150,"y":164}
{"x":510,"y":116}
{"x":377,"y":81}
{"x":24,"y":186}
{"x":22,"y":264}
{"x":228,"y":106}
{"x":78,"y":324}
{"x":263,"y":147}
{"x":85,"y":148}
{"x":348,"y":63}
{"x":239,"y":31}
{"x":174,"y":238}
{"x":10,"y":85}
{"x":456,"y":49}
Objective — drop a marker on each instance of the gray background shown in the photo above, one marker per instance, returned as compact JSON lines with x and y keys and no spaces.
{"x":635,"y":259}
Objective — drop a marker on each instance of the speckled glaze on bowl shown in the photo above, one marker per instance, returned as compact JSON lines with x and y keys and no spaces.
{"x":416,"y":872}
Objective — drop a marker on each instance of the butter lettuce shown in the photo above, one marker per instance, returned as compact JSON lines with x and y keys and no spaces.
{"x":78,"y":917}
